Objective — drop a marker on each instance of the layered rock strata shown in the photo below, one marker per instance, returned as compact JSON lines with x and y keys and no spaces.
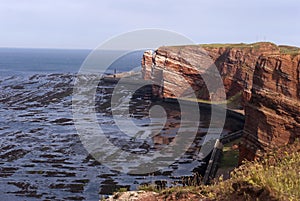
{"x":273,"y":112}
{"x":172,"y":66}
{"x":262,"y":78}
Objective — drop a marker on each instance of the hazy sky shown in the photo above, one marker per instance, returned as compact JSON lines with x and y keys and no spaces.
{"x":87,"y":23}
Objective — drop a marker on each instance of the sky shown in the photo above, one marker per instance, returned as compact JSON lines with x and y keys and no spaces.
{"x":84,"y":24}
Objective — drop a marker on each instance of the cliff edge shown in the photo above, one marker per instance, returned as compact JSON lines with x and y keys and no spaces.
{"x":261,"y":78}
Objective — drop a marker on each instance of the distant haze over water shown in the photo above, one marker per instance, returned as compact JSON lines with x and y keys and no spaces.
{"x":57,"y":60}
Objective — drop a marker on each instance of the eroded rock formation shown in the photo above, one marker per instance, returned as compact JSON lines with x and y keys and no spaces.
{"x":262,"y":78}
{"x":273,"y":113}
{"x":171,"y":66}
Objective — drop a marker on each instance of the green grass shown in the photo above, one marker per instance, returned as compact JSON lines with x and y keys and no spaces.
{"x":290,"y":50}
{"x":233,"y":102}
{"x":225,"y":45}
{"x":276,"y":176}
{"x":277,"y":173}
{"x":203,"y":101}
{"x":284,"y":49}
{"x":236,"y":45}
{"x":122,"y":190}
{"x":149,"y":187}
{"x":230,"y":157}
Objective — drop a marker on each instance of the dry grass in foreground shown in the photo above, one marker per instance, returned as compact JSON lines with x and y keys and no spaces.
{"x":276,"y":176}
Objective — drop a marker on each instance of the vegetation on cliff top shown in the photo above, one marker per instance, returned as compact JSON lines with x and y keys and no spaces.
{"x":283,"y":49}
{"x":225,"y":45}
{"x":291,"y":50}
{"x":276,"y":176}
{"x":237,"y":45}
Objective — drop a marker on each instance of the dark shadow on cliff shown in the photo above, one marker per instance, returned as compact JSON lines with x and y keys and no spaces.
{"x":298,"y":78}
{"x":281,"y":79}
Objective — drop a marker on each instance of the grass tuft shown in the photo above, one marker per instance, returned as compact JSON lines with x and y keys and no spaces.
{"x":275,"y":176}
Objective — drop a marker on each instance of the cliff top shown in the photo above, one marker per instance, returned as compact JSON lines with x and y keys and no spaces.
{"x":238,"y":45}
{"x":291,"y":50}
{"x":282,"y":49}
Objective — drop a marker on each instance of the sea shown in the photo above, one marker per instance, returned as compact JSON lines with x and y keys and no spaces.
{"x":41,"y":153}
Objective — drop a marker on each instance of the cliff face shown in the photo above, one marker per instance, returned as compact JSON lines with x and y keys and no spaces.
{"x":273,"y":113}
{"x":176,"y":68}
{"x":263,"y":77}
{"x":235,"y":63}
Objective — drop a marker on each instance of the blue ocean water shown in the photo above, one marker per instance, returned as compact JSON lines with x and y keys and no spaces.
{"x":35,"y":61}
{"x":41,"y":60}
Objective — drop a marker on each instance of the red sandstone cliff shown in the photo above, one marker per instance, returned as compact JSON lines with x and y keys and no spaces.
{"x":273,"y":113}
{"x":270,"y":72}
{"x":235,"y":63}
